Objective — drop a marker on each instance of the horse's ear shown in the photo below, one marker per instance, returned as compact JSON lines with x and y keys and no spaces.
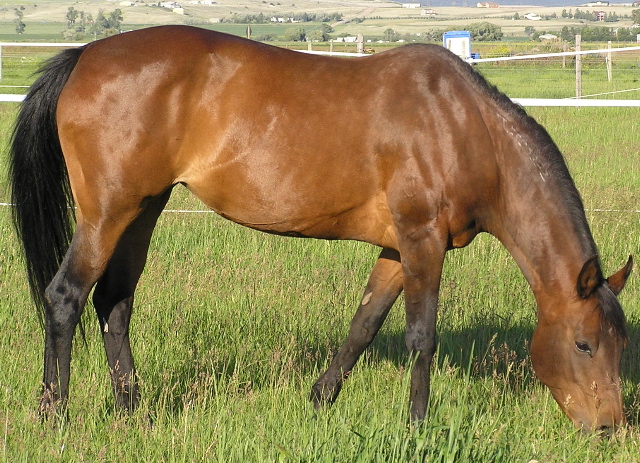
{"x":618,"y":279}
{"x":590,"y":278}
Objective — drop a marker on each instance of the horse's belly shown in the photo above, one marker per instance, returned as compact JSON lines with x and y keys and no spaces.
{"x":301,"y":212}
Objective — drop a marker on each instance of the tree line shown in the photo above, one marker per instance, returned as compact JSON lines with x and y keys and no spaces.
{"x":261,"y":18}
{"x":589,"y":15}
{"x":81,"y":24}
{"x":590,"y":33}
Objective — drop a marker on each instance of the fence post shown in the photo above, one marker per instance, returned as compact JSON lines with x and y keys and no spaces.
{"x":0,"y":61}
{"x":578,"y":68}
{"x":360,"y":48}
{"x":609,"y":64}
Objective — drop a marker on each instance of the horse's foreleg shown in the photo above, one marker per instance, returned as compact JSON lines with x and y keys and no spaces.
{"x":383,"y":288}
{"x":422,"y":269}
{"x":113,"y":301}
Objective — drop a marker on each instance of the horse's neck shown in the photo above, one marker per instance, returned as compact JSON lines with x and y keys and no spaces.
{"x":542,"y":221}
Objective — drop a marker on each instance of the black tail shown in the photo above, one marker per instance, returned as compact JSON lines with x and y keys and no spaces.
{"x":40,"y":188}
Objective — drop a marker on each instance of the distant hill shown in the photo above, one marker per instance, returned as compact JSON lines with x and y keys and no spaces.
{"x":434,"y":3}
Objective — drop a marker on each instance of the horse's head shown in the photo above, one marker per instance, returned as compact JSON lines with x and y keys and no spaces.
{"x":576,"y":350}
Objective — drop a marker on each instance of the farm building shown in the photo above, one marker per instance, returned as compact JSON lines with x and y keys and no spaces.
{"x":346,"y":39}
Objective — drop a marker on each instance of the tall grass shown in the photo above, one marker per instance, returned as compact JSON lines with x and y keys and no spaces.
{"x":232,"y":327}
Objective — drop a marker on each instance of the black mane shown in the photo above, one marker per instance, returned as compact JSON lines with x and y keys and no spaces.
{"x":612,"y":313}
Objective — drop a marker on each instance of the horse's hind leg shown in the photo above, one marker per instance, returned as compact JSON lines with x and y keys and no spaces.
{"x":85,"y":261}
{"x":384,"y":286}
{"x":113,"y":301}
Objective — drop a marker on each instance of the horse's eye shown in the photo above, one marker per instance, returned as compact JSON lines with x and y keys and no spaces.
{"x":583,"y":347}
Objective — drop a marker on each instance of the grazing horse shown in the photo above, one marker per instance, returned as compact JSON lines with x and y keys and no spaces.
{"x":421,"y":155}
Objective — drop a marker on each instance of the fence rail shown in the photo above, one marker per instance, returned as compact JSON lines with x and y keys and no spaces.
{"x":553,"y":55}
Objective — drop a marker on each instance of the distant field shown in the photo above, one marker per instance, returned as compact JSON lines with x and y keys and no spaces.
{"x":48,"y":16}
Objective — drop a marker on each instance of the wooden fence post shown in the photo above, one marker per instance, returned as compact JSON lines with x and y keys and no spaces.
{"x":578,"y":68}
{"x":609,"y":64}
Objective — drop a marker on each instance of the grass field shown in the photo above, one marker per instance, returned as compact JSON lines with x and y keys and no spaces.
{"x":232,"y":327}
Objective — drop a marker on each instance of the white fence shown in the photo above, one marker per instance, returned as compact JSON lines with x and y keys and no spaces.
{"x":564,"y":102}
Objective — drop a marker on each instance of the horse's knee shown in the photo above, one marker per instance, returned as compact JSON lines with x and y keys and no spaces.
{"x":421,"y":341}
{"x":64,"y":305}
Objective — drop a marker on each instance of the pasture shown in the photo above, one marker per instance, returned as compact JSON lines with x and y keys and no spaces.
{"x":232,"y":327}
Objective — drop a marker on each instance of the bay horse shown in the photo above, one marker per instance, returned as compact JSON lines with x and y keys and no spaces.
{"x":410,"y":150}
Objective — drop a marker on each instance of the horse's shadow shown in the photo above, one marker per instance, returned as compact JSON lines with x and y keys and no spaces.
{"x":489,"y":349}
{"x":493,"y":350}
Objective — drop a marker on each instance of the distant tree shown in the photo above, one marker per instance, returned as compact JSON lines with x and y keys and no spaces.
{"x":84,"y":19}
{"x":432,"y":35}
{"x":266,"y":37}
{"x":20,"y":25}
{"x":390,"y":35}
{"x":317,"y":36}
{"x":115,"y":19}
{"x":106,"y":25}
{"x":295,"y":34}
{"x":516,"y":16}
{"x":72,"y":15}
{"x":566,"y":35}
{"x":320,"y":35}
{"x":623,"y":34}
{"x":635,"y":16}
{"x":484,"y":32}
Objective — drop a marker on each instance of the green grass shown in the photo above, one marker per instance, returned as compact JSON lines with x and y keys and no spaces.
{"x":232,"y":327}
